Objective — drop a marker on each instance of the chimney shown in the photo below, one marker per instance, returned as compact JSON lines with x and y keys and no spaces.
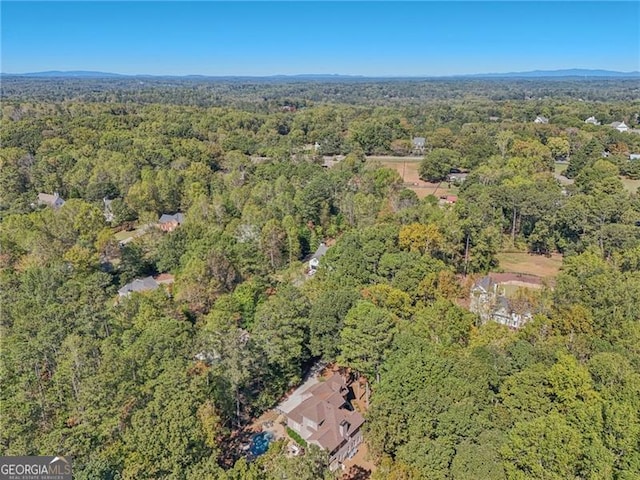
{"x":344,"y":428}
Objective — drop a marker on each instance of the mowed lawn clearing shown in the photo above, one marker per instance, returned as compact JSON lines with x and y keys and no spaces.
{"x":538,"y":265}
{"x":631,"y":185}
{"x":408,"y":167}
{"x":123,"y":234}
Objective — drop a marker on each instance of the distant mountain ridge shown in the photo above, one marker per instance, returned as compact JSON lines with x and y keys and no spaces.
{"x":574,"y":72}
{"x":73,"y":73}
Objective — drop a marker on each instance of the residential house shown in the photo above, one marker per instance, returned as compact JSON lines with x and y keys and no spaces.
{"x":457,"y":178}
{"x":620,"y":126}
{"x":489,"y":299}
{"x":494,"y":119}
{"x":448,"y":200}
{"x":541,"y":119}
{"x":314,"y":263}
{"x":325,"y":418}
{"x":168,"y":223}
{"x":592,"y":121}
{"x":108,"y":212}
{"x":145,"y":284}
{"x":419,"y":144}
{"x":634,"y":156}
{"x":53,"y":201}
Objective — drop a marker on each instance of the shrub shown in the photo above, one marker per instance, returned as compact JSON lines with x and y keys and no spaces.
{"x":296,"y":438}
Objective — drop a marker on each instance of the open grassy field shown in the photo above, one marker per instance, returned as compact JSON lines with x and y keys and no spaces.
{"x":539,"y":265}
{"x":631,"y":185}
{"x":560,"y":167}
{"x":407,"y":167}
{"x":122,"y":234}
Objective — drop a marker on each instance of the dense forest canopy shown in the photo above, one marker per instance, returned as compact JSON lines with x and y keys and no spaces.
{"x":156,"y":384}
{"x":260,"y":92}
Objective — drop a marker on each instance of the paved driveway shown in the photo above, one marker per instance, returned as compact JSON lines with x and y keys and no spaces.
{"x":295,"y":398}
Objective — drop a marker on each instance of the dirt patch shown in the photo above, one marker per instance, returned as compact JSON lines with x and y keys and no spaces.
{"x":360,"y":466}
{"x":408,"y":171}
{"x":530,"y":264}
{"x":438,"y":190}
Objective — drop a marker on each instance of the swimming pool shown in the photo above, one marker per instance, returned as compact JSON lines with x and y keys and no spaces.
{"x":260,"y":443}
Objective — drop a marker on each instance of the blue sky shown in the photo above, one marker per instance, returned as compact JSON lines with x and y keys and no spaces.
{"x":358,"y":38}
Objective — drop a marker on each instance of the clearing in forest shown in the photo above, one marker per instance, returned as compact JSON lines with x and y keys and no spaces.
{"x":408,"y":167}
{"x":631,"y":185}
{"x":530,"y":264}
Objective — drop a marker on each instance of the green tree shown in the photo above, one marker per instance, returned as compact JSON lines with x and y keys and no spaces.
{"x":366,"y":338}
{"x":437,"y":164}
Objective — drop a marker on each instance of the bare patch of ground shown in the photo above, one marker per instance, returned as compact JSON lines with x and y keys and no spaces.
{"x":408,"y":168}
{"x":531,"y":264}
{"x":360,"y":465}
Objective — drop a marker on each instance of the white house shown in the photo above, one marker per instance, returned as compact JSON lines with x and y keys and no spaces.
{"x":620,"y":126}
{"x":592,"y":121}
{"x":489,"y":301}
{"x":314,"y":263}
{"x":634,"y":156}
{"x":541,"y":119}
{"x":457,"y":178}
{"x":108,"y":212}
{"x":418,"y":144}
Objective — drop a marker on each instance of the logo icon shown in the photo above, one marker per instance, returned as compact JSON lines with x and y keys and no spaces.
{"x":35,"y":468}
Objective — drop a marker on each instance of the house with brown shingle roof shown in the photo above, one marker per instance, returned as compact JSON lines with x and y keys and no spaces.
{"x":325,"y":418}
{"x":168,"y":223}
{"x":53,"y":201}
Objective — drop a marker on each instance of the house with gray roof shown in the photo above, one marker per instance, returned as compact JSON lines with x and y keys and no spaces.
{"x":53,"y":201}
{"x":457,"y":178}
{"x":314,"y":263}
{"x":325,"y":418}
{"x":168,"y":223}
{"x":490,"y":302}
{"x":146,"y":284}
{"x":620,"y":126}
{"x":418,"y":144}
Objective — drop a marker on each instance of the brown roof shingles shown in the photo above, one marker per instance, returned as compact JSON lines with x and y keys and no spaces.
{"x":324,"y":407}
{"x":328,"y":436}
